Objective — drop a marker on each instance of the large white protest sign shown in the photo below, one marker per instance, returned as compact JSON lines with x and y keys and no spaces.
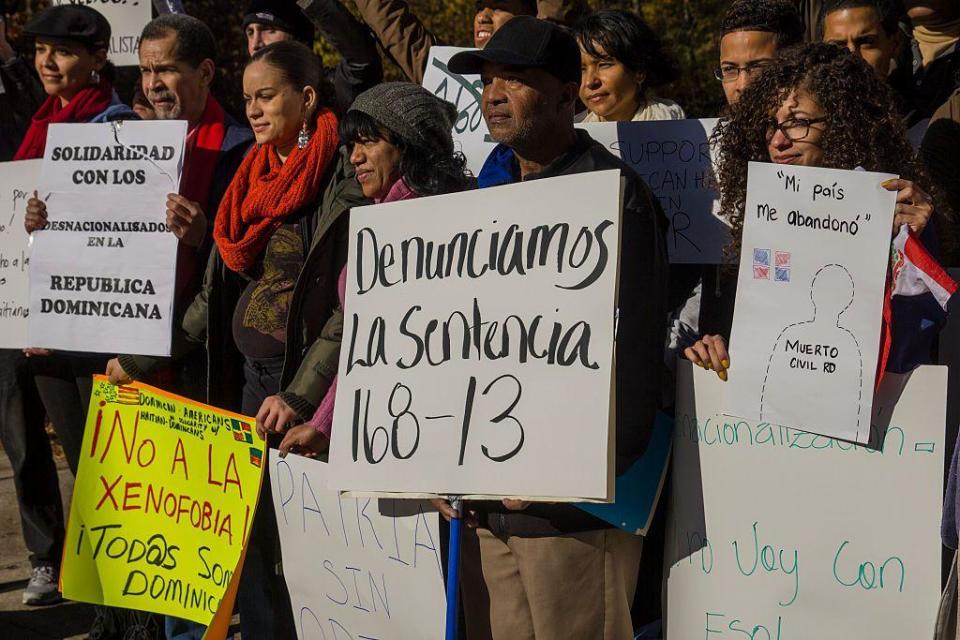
{"x":478,"y":343}
{"x":806,"y":325}
{"x":102,"y":272}
{"x":776,"y":533}
{"x":470,"y":132}
{"x":17,"y":182}
{"x":676,"y":160}
{"x":127,"y":19}
{"x":356,"y":568}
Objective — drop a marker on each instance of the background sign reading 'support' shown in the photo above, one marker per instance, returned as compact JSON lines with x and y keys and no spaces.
{"x":676,"y":160}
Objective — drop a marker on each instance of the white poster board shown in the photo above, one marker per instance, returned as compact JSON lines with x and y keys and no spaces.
{"x":466,"y":317}
{"x":356,"y":568}
{"x":806,"y":325}
{"x":127,"y":19}
{"x":102,"y":272}
{"x":776,"y":533}
{"x":470,"y":133}
{"x":676,"y":160}
{"x":17,"y":182}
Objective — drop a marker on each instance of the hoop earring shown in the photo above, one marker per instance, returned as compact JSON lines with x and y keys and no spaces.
{"x":304,"y":137}
{"x":94,"y":76}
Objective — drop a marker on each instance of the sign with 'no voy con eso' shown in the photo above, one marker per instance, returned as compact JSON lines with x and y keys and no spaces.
{"x":102,"y":272}
{"x":478,"y":343}
{"x":776,"y":534}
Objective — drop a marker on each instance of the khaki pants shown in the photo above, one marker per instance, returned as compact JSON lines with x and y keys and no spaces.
{"x":572,"y":587}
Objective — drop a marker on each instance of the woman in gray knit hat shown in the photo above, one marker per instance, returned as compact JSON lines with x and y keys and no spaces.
{"x":400,"y":135}
{"x":400,"y":141}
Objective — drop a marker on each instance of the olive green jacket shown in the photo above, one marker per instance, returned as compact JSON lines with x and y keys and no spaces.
{"x":315,"y":321}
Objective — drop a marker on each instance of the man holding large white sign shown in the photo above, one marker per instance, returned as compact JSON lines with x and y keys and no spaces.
{"x":776,"y":533}
{"x":810,"y":298}
{"x":549,"y":383}
{"x":103,"y":270}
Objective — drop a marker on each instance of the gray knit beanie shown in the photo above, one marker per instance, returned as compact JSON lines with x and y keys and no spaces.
{"x":412,"y":112}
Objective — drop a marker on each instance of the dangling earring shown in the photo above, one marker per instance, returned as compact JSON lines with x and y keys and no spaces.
{"x":304,"y":138}
{"x":94,"y":76}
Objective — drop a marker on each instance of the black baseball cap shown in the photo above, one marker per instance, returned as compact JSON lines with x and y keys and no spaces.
{"x":525,"y":41}
{"x":284,"y":15}
{"x":71,"y":22}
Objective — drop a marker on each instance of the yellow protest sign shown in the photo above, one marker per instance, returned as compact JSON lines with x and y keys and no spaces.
{"x":162,"y":505}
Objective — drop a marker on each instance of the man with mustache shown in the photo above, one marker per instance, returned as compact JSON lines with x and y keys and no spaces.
{"x":177,"y":67}
{"x":177,"y":54}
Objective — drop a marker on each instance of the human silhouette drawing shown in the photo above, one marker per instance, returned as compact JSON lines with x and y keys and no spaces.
{"x":816,"y":361}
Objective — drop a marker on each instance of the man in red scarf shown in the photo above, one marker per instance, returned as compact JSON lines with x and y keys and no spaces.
{"x":177,"y":54}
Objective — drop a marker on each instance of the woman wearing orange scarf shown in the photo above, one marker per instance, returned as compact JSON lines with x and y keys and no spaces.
{"x":271,"y":285}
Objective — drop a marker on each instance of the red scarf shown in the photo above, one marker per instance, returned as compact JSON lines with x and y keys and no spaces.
{"x":89,"y":102}
{"x":265,"y":191}
{"x":201,"y":153}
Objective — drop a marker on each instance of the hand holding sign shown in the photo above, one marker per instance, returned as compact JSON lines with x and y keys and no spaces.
{"x":304,"y":440}
{"x":186,"y":219}
{"x":914,"y":205}
{"x":710,"y":352}
{"x":36,"y":215}
{"x":274,"y":416}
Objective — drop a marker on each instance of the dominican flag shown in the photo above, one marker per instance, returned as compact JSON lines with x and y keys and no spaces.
{"x":913,"y":272}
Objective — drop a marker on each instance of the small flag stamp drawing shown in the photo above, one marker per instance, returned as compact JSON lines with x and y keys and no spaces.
{"x":782,"y":268}
{"x":761,"y":264}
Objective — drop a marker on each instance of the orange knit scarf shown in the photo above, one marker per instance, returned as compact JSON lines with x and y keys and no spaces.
{"x":265,"y":191}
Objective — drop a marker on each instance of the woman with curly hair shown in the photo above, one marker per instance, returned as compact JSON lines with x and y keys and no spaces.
{"x":621,"y":59}
{"x":816,"y":106}
{"x":401,"y":146}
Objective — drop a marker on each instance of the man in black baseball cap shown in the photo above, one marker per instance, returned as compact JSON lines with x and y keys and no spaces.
{"x":553,"y":570}
{"x":268,"y":21}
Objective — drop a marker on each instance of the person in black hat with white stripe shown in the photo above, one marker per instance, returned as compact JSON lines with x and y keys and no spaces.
{"x":552,"y":570}
{"x":360,"y":67}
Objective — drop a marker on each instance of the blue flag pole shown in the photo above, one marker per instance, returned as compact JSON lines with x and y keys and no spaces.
{"x":453,"y":570}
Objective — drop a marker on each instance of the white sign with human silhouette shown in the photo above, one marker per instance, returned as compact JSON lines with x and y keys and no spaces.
{"x":806,"y":328}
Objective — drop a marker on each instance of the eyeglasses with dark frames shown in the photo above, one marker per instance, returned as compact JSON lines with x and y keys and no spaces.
{"x":795,"y":129}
